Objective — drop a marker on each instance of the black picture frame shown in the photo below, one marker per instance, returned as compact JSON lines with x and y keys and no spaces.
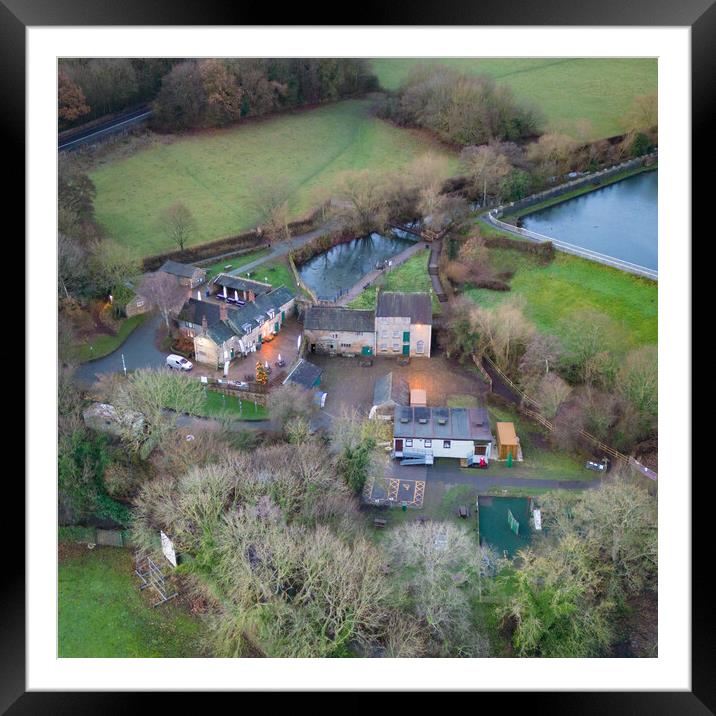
{"x":699,"y":15}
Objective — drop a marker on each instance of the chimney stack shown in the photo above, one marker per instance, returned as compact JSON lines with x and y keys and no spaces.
{"x":223,"y":311}
{"x":204,"y":324}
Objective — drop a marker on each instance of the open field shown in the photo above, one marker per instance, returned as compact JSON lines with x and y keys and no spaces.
{"x":570,"y":283}
{"x":215,"y":172}
{"x":102,"y":613}
{"x":410,"y":276}
{"x":583,"y":97}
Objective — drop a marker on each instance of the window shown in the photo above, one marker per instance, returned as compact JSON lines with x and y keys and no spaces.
{"x":396,"y":346}
{"x":140,"y":302}
{"x":428,"y":443}
{"x":396,"y":334}
{"x":409,"y":443}
{"x":345,"y":345}
{"x":480,"y":449}
{"x":446,"y":444}
{"x":420,"y":347}
{"x":384,"y":334}
{"x":384,"y":346}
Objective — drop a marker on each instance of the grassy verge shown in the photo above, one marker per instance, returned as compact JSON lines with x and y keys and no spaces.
{"x":410,"y":276}
{"x":218,"y":173}
{"x":551,"y":293}
{"x":234,"y":262}
{"x":102,"y":613}
{"x":217,"y":405}
{"x":585,"y":97}
{"x":277,"y":273}
{"x":104,"y":345}
{"x":588,"y":187}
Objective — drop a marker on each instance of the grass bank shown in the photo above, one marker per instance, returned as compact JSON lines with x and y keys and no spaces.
{"x":584,"y":97}
{"x":410,"y":276}
{"x":103,"y":345}
{"x":217,"y":173}
{"x":102,"y":613}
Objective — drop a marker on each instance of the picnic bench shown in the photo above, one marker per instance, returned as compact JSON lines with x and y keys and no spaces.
{"x":379,"y":523}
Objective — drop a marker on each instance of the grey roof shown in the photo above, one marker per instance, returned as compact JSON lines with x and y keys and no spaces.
{"x":416,"y":306}
{"x":177,"y":269}
{"x":336,"y":318}
{"x":194,"y":310}
{"x":243,"y":320}
{"x":390,"y":389}
{"x":242,"y":284}
{"x":442,"y":423}
{"x":304,"y":374}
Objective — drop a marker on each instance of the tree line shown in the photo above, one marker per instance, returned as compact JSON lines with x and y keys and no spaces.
{"x":192,"y":93}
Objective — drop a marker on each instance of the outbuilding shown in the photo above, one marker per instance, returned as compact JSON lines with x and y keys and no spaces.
{"x":304,"y":374}
{"x":507,"y":441}
{"x":389,"y":392}
{"x":187,"y":274}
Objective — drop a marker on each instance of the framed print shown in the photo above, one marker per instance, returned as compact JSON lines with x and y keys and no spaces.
{"x":362,"y":341}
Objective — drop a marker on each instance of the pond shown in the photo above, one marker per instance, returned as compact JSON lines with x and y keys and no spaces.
{"x":338,"y":269}
{"x":619,"y":220}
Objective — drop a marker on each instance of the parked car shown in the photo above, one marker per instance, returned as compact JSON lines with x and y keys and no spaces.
{"x":240,"y":384}
{"x":178,"y":362}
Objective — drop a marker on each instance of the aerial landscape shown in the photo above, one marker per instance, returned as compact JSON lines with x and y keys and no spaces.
{"x":357,"y":358}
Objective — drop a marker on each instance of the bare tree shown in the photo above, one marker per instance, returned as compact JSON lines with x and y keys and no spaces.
{"x":271,"y":206}
{"x":361,"y":200}
{"x":163,"y":292}
{"x":486,"y":166}
{"x":178,"y":224}
{"x":552,"y":392}
{"x":289,"y":402}
{"x":638,"y":379}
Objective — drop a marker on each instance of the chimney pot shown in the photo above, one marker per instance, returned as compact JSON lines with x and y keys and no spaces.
{"x":223,"y":311}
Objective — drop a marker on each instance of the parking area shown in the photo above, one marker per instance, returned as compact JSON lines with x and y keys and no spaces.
{"x":351,"y":386}
{"x":285,"y":344}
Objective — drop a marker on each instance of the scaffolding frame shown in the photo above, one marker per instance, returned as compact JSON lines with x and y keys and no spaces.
{"x":151,"y":575}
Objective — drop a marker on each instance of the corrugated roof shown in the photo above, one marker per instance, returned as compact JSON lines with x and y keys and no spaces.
{"x":442,"y":423}
{"x":416,"y":306}
{"x":336,"y":318}
{"x":177,"y":269}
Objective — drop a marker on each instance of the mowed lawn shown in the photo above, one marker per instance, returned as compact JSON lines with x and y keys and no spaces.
{"x":102,"y":613}
{"x":551,"y":293}
{"x":584,"y":97}
{"x":216,"y":173}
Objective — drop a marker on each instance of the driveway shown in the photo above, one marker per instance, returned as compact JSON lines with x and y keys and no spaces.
{"x":139,"y":352}
{"x":351,"y":386}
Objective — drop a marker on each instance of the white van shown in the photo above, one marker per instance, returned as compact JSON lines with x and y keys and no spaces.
{"x":179,"y":362}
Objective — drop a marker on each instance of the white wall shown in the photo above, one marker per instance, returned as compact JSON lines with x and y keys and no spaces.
{"x":457,"y":449}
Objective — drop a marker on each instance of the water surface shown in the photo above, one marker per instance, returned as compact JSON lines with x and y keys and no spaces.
{"x":619,"y":220}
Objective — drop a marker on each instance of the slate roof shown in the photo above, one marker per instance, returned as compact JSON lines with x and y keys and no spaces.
{"x":177,"y":269}
{"x":241,"y":321}
{"x":242,"y":284}
{"x":442,"y":423}
{"x":194,"y":310}
{"x":336,"y":318}
{"x":417,"y":306}
{"x":304,"y":374}
{"x":391,"y":389}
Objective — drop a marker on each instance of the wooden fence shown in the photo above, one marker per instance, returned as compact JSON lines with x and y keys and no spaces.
{"x":530,"y":408}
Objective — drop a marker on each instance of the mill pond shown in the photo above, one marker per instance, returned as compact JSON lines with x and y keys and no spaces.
{"x":338,"y":269}
{"x":619,"y":220}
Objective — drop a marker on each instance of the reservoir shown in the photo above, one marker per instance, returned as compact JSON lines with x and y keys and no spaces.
{"x":619,"y":220}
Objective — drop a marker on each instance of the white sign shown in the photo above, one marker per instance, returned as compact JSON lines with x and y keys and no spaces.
{"x":298,"y":342}
{"x":168,"y":549}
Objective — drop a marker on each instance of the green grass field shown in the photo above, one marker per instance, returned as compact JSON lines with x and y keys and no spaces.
{"x":583,"y":97}
{"x":215,"y":173}
{"x":218,"y":405}
{"x":102,"y":613}
{"x":410,"y":276}
{"x":551,"y":293}
{"x":235,"y":262}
